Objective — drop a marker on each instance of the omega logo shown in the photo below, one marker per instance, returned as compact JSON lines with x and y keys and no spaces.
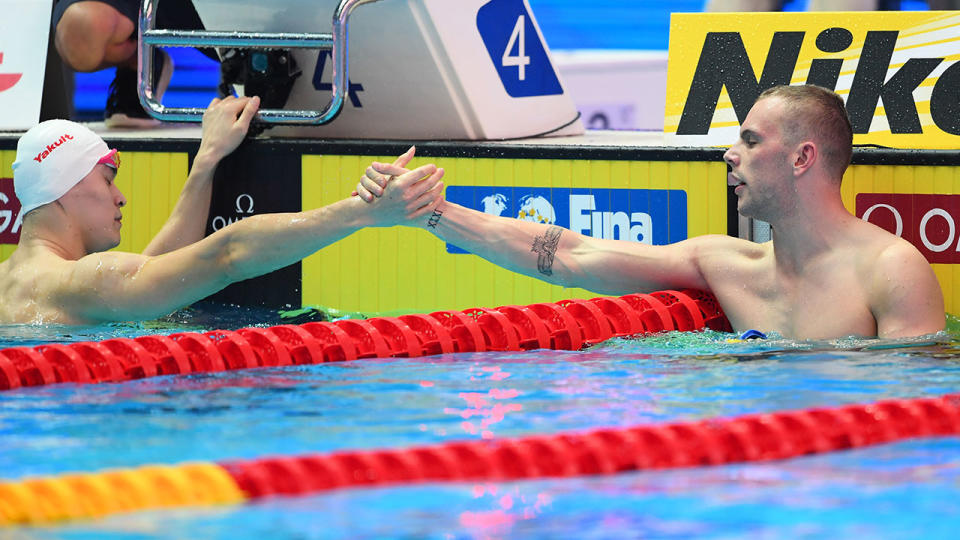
{"x":243,"y":207}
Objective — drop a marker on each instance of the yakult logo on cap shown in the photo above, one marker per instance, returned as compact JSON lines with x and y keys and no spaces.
{"x":52,"y":146}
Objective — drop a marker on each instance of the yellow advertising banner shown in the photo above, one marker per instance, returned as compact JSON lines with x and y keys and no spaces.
{"x":897,"y":71}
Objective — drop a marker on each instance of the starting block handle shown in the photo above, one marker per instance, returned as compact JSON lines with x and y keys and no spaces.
{"x":188,"y":38}
{"x":149,"y":37}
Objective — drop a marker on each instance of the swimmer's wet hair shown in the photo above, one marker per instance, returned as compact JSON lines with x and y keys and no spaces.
{"x":818,"y":114}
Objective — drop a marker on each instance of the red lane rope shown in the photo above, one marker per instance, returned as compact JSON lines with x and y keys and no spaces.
{"x":754,"y":437}
{"x":566,"y":325}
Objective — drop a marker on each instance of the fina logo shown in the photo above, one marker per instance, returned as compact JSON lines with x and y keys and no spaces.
{"x":534,"y":208}
{"x":649,"y":216}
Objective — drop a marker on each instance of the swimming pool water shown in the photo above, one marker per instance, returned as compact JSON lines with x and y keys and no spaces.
{"x":909,"y":489}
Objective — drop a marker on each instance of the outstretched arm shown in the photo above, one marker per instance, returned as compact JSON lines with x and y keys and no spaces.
{"x":225,"y":124}
{"x":560,"y":256}
{"x":115,"y":286}
{"x":549,"y":252}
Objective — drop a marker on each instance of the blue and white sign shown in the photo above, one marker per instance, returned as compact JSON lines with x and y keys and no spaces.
{"x":650,"y":216}
{"x":516,"y":50}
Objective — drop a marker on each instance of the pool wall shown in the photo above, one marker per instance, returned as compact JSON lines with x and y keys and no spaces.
{"x":611,"y":184}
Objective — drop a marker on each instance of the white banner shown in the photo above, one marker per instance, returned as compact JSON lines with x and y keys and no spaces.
{"x":24,"y":30}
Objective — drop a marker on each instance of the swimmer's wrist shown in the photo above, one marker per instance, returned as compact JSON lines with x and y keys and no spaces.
{"x":359,"y":214}
{"x":205,"y":159}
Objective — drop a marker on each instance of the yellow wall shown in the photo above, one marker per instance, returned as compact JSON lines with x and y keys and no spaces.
{"x":151,"y":182}
{"x":380,"y":270}
{"x":409,"y":269}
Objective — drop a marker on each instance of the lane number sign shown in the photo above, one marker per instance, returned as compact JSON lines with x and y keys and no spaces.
{"x":516,"y":49}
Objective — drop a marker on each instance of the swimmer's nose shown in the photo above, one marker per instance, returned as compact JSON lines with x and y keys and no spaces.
{"x":728,"y":156}
{"x":120,"y":200}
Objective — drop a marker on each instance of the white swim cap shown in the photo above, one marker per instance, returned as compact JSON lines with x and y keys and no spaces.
{"x":52,"y":157}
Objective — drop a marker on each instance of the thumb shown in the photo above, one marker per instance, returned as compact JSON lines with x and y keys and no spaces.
{"x":405,"y":158}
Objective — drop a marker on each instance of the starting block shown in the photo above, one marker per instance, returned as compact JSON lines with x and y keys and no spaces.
{"x":392,"y":69}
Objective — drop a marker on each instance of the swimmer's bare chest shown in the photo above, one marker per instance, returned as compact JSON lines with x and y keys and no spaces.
{"x":817,"y":307}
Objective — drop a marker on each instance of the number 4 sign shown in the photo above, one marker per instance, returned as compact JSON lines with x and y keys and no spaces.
{"x":518,"y":38}
{"x":516,"y":50}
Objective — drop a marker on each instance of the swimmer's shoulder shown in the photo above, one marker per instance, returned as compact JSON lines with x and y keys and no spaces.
{"x":878,"y":248}
{"x":26,"y":278}
{"x":897,"y":257}
{"x":721,"y":245}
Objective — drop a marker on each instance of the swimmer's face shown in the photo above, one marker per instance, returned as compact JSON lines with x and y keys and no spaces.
{"x":759,"y":162}
{"x":94,"y":208}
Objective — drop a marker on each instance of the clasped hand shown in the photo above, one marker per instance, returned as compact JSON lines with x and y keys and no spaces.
{"x":225,"y":124}
{"x":402,"y":196}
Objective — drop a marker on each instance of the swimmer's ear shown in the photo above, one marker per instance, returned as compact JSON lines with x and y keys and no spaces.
{"x":806,"y":155}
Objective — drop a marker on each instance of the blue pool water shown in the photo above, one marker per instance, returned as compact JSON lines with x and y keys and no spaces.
{"x":909,"y":489}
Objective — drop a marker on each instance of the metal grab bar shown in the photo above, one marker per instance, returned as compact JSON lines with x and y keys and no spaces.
{"x":186,"y":38}
{"x":149,"y":37}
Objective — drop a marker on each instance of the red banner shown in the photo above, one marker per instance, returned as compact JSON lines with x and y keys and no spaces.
{"x":929,"y":222}
{"x":9,"y":213}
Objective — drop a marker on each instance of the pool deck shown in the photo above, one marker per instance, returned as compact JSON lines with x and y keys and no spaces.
{"x":594,"y":144}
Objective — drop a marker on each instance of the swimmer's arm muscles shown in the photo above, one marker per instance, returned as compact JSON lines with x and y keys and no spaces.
{"x":562,"y":257}
{"x":114,"y":286}
{"x":906,"y":299}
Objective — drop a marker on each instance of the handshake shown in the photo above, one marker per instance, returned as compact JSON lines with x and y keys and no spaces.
{"x":403,"y":196}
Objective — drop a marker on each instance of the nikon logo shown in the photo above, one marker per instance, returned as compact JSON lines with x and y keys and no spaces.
{"x":724,"y":63}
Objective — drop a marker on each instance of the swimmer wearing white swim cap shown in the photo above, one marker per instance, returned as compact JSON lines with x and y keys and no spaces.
{"x":53,"y":157}
{"x":65,"y":271}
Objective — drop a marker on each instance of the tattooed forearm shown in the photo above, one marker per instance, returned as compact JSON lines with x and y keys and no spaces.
{"x":545,"y":246}
{"x":434,"y":219}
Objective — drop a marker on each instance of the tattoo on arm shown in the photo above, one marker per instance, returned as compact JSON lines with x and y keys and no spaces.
{"x":434,"y":219}
{"x":545,"y":246}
